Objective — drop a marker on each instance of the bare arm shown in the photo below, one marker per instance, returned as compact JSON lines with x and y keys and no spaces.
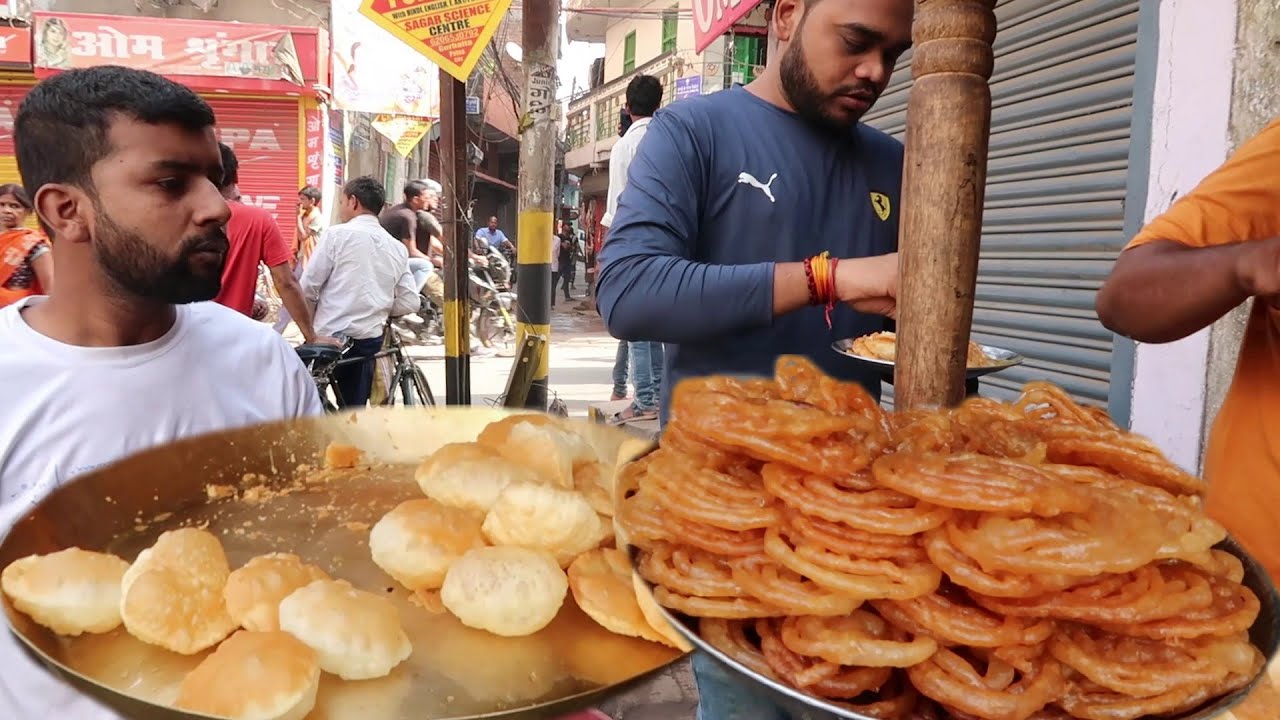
{"x":1165,"y":291}
{"x":290,"y":293}
{"x":43,"y":268}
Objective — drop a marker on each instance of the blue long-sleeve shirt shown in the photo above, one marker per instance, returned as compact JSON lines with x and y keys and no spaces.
{"x":724,"y":186}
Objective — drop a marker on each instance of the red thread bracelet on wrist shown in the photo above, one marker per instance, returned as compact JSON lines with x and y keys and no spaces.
{"x":814,"y":294}
{"x":831,"y":291}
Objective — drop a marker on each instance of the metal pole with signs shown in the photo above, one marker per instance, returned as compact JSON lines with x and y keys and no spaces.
{"x":454,"y":38}
{"x":536,"y":241}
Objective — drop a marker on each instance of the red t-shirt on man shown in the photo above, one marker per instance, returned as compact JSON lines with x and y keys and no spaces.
{"x":255,"y":238}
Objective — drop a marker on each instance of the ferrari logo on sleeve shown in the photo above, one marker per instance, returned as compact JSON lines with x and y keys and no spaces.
{"x":880,"y":203}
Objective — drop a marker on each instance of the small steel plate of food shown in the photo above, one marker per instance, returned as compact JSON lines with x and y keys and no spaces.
{"x":992,"y":561}
{"x":386,"y":565}
{"x":878,"y":351}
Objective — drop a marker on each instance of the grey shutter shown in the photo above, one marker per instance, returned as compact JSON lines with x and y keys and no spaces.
{"x":1062,"y":105}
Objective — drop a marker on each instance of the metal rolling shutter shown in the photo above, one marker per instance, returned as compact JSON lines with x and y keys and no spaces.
{"x":11,"y":95}
{"x":265,"y":136}
{"x":1062,"y":97}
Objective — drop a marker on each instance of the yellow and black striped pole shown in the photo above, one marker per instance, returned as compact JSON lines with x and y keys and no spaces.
{"x":541,"y":38}
{"x":457,"y":241}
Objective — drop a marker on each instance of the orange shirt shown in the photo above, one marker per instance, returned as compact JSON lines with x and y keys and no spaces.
{"x":1240,"y":202}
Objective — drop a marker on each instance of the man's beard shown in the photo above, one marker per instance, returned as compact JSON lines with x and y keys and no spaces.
{"x":141,"y":271}
{"x":801,"y":88}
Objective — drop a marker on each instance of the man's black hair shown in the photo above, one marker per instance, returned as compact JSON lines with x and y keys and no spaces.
{"x":368,"y":192}
{"x":312,"y":192}
{"x":61,"y":128}
{"x":413,"y":189}
{"x":644,"y":95}
{"x":230,"y":167}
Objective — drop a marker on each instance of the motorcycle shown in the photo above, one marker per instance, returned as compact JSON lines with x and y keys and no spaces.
{"x":492,"y":303}
{"x":492,"y":310}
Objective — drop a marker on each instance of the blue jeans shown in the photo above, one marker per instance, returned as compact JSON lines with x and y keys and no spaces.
{"x":621,"y":364}
{"x":721,"y":696}
{"x":647,"y":360}
{"x":421,"y":268}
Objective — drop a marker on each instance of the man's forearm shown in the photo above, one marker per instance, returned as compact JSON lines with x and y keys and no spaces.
{"x":291,"y":296}
{"x":1165,"y":291}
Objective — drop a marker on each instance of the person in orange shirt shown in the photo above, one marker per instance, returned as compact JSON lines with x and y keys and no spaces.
{"x":1214,"y":249}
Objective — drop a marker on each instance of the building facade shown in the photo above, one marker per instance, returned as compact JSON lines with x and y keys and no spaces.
{"x":651,"y":38}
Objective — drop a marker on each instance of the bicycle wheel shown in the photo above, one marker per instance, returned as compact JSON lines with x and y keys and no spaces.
{"x":414,"y":389}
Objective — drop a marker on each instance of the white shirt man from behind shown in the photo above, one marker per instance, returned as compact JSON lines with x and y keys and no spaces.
{"x":357,"y":278}
{"x":646,"y":359}
{"x":123,"y":354}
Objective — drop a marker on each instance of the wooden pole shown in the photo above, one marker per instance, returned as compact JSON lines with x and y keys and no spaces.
{"x":540,"y":34}
{"x":943,"y":187}
{"x":457,"y":240}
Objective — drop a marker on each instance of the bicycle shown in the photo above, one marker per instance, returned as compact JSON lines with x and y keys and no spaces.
{"x":406,"y":377}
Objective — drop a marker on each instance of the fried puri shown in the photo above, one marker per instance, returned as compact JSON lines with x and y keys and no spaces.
{"x":253,"y":592}
{"x":417,"y":541}
{"x":356,"y":635}
{"x":254,"y":676}
{"x":509,"y":591}
{"x":469,"y":476}
{"x":542,"y":517}
{"x":70,"y":592}
{"x":172,"y":595}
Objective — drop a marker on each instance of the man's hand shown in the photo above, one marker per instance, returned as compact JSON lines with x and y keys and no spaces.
{"x":326,"y":340}
{"x":870,"y":284}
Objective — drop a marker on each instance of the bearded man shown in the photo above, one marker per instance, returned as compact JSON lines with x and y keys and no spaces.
{"x":123,"y":168}
{"x":732,"y":196}
{"x":731,"y":203}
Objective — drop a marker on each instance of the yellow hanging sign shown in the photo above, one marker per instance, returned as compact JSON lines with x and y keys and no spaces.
{"x":451,"y":33}
{"x":404,"y":131}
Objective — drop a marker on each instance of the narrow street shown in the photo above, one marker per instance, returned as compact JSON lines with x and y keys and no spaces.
{"x":582,"y":356}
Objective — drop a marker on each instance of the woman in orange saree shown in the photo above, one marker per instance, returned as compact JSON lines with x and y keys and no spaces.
{"x":26,"y":265}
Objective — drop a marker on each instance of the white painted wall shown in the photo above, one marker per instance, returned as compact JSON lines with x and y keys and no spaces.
{"x":1189,"y":140}
{"x":648,"y":31}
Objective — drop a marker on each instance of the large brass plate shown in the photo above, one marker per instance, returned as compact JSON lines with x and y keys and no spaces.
{"x":455,"y":673}
{"x":1265,"y":634}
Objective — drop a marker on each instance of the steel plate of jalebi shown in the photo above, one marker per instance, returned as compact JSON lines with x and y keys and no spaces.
{"x":1021,"y":561}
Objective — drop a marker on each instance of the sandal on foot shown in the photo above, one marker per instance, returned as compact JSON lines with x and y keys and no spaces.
{"x":633,"y":414}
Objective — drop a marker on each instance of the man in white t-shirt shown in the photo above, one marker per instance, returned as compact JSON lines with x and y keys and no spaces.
{"x":123,"y":168}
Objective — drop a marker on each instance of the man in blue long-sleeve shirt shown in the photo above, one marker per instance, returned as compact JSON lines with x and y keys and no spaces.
{"x":730,"y":193}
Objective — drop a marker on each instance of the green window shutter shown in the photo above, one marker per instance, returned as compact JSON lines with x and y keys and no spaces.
{"x":746,"y":56}
{"x":669,"y":31}
{"x":629,"y":52}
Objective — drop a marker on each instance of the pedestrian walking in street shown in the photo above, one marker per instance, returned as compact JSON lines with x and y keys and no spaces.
{"x":647,"y":358}
{"x":735,"y":197}
{"x":567,"y":258}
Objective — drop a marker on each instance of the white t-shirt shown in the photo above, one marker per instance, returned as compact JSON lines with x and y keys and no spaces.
{"x":620,"y":157}
{"x":67,"y":410}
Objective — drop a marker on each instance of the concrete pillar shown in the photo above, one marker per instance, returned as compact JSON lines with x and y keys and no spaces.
{"x":1190,"y":109}
{"x":1255,"y":102}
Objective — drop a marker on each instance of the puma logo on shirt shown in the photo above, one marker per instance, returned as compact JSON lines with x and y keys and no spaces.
{"x":749,"y":179}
